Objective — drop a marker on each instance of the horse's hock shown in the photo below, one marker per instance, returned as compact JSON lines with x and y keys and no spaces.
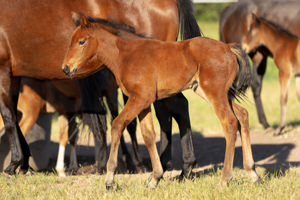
{"x":38,"y":139}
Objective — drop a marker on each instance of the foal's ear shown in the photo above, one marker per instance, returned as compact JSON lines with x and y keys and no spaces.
{"x":75,"y":18}
{"x":254,"y":18}
{"x":84,"y":22}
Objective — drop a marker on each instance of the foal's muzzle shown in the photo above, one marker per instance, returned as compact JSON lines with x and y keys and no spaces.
{"x":66,"y":70}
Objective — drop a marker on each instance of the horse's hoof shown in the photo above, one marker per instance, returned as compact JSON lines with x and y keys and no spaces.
{"x":151,"y":185}
{"x":10,"y":170}
{"x":109,"y":187}
{"x":101,"y":171}
{"x":61,"y":173}
{"x":110,"y":184}
{"x":277,"y":132}
{"x":141,"y":169}
{"x":269,"y":130}
{"x":222,"y":184}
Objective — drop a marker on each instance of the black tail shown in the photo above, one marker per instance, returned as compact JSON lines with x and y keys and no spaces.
{"x":188,"y":24}
{"x":244,"y":75}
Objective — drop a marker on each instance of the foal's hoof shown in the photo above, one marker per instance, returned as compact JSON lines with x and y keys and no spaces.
{"x":109,"y":187}
{"x":222,"y":184}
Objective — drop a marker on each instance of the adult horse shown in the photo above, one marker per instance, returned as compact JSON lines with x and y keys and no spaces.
{"x":148,"y":70}
{"x":234,"y":21}
{"x":34,"y":38}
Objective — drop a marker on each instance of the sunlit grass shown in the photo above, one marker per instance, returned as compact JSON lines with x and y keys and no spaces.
{"x":278,"y":184}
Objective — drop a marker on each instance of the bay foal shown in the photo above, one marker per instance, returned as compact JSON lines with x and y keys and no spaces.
{"x":285,"y":50}
{"x":147,"y":70}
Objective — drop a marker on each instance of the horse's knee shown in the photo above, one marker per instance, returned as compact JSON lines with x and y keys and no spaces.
{"x":231,"y":127}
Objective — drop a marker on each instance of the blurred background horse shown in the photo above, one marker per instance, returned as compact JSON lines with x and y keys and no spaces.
{"x":233,"y":27}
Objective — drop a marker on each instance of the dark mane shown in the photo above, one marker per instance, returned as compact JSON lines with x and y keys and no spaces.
{"x":117,"y":25}
{"x":278,"y":27}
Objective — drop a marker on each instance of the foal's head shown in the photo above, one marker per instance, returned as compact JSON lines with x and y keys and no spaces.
{"x":253,"y":38}
{"x":260,"y":32}
{"x":82,"y":51}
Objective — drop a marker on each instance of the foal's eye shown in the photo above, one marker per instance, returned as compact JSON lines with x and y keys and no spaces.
{"x":81,"y":42}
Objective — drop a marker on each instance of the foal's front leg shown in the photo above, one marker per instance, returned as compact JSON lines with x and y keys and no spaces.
{"x":284,"y":78}
{"x":148,"y":133}
{"x":132,"y":108}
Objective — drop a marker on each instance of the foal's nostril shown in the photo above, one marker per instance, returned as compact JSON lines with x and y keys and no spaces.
{"x":66,"y":69}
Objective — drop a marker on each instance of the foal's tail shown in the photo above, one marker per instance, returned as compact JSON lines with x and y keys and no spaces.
{"x":188,"y":25}
{"x":244,"y":75}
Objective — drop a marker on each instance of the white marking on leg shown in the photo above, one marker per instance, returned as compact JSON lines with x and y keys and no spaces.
{"x":60,"y":161}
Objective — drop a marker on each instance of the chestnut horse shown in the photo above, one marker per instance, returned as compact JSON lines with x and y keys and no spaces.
{"x":34,"y":39}
{"x":285,"y":50}
{"x":148,"y":70}
{"x":234,"y":21}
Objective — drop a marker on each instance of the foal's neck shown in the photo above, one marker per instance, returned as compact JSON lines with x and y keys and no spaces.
{"x":277,"y":41}
{"x":108,"y":51}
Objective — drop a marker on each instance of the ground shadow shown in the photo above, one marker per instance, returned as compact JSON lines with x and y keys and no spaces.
{"x":208,"y":150}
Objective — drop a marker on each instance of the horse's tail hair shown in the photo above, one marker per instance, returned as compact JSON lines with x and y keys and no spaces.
{"x":243,"y":78}
{"x":188,"y":25}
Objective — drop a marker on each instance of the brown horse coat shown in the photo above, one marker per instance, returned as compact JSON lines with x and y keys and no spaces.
{"x":147,"y":70}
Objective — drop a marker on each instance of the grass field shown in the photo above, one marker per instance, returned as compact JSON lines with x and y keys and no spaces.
{"x":276,"y":184}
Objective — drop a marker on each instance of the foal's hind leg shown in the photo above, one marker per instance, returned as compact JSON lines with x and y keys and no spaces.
{"x":242,"y":115}
{"x":229,"y":124}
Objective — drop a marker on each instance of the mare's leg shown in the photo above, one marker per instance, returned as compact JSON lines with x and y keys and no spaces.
{"x":63,"y":139}
{"x":178,"y":107}
{"x":242,"y":115}
{"x":132,"y":108}
{"x":284,"y":78}
{"x":165,"y":121}
{"x":259,"y":69}
{"x":97,"y":124}
{"x":68,"y":129}
{"x":8,"y":107}
{"x":131,"y":128}
{"x":72,"y":137}
{"x":30,"y":105}
{"x":94,"y":115}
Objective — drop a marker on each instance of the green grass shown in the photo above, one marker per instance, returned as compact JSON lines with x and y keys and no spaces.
{"x":277,"y":184}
